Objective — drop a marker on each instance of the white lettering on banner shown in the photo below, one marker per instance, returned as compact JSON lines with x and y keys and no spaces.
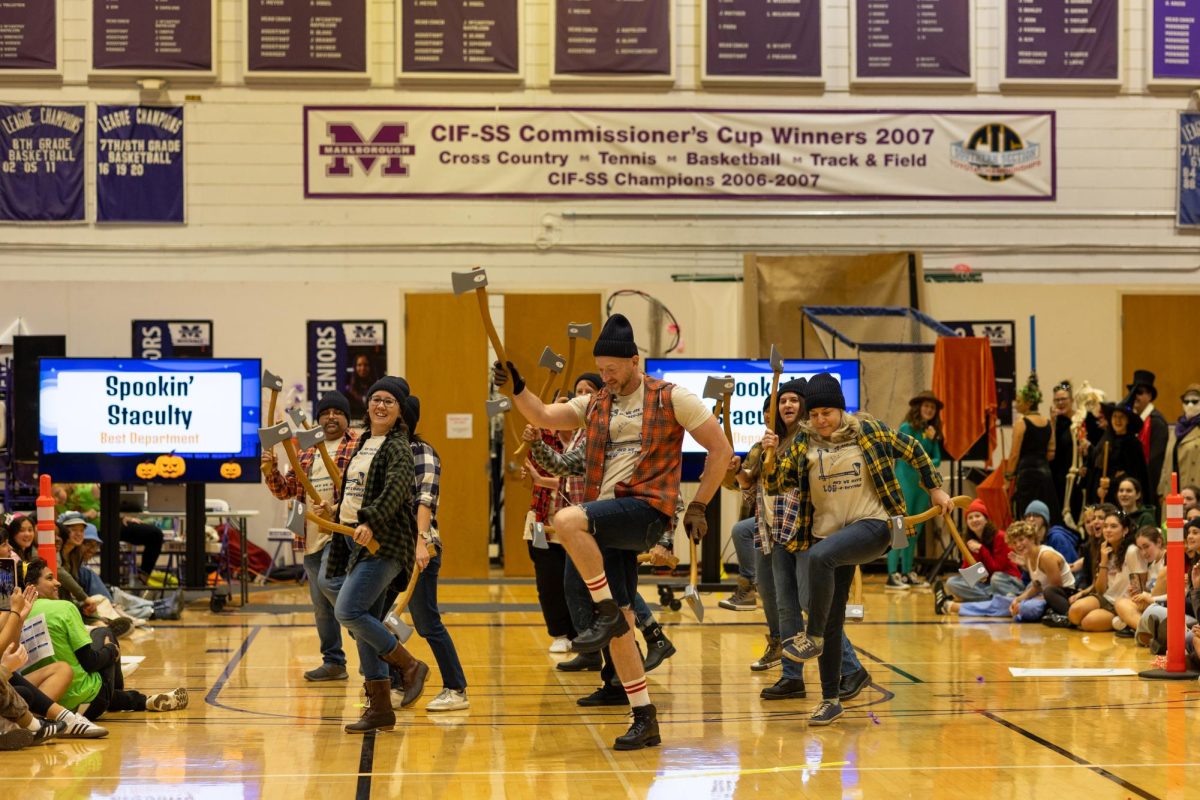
{"x":678,"y":153}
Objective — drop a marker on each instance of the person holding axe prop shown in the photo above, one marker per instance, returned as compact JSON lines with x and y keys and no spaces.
{"x":333,"y":415}
{"x":376,"y":499}
{"x":633,"y":457}
{"x":844,"y":468}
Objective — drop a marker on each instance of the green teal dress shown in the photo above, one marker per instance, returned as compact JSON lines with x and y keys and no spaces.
{"x":916,"y":499}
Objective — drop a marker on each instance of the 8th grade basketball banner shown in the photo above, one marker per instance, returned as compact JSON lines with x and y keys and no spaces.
{"x":404,"y":152}
{"x":41,"y":163}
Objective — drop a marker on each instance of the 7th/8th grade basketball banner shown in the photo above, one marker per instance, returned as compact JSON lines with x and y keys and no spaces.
{"x":404,"y":152}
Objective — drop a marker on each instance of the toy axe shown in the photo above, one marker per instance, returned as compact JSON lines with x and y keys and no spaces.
{"x":776,"y":370}
{"x":274,"y":384}
{"x":476,"y":281}
{"x":299,"y":418}
{"x":315,"y":437}
{"x":501,"y":405}
{"x":540,"y":541}
{"x":721,"y":390}
{"x":393,"y":621}
{"x":690,"y":593}
{"x":554,"y":363}
{"x":974,"y":572}
{"x":575,"y":331}
{"x":297,"y":515}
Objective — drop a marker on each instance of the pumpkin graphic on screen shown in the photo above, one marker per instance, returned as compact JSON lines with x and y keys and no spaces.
{"x":170,"y":466}
{"x":231,"y":470}
{"x":146,"y":470}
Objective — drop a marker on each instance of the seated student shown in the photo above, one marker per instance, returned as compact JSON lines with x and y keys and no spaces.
{"x":83,"y":547}
{"x":22,"y":534}
{"x":1058,"y":600}
{"x":1046,"y":568}
{"x":1064,"y":540}
{"x":990,"y":548}
{"x":1191,"y":532}
{"x":95,"y":657}
{"x":1120,"y":570}
{"x":1129,"y":500}
{"x":18,"y":727}
{"x":1151,"y":548}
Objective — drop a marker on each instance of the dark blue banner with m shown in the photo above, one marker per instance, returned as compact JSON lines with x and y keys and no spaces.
{"x":347,"y":356}
{"x":186,"y":338}
{"x":139,"y":164}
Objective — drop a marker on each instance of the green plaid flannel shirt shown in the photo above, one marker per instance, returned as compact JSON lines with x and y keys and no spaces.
{"x":881,"y":447}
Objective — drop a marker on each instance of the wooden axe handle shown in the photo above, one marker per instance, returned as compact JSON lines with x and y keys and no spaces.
{"x":334,"y":527}
{"x":289,"y":447}
{"x":728,"y":425}
{"x":331,"y":467}
{"x":541,"y":396}
{"x":958,"y":540}
{"x":271,"y":407}
{"x":672,"y":561}
{"x":481,"y":296}
{"x":694,"y":567}
{"x":961,"y":501}
{"x":769,"y":452}
{"x":402,"y":602}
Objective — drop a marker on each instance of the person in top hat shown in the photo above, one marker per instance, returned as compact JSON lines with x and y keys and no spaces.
{"x":923,"y":423}
{"x":631,"y":464}
{"x":1155,"y":433}
{"x":1118,"y":453}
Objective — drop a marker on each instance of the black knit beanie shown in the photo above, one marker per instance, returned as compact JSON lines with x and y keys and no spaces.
{"x":824,"y":391}
{"x":616,"y":339}
{"x":795,"y":386}
{"x":411,"y":410}
{"x":590,"y":377}
{"x":335,"y":400}
{"x":396,"y":387}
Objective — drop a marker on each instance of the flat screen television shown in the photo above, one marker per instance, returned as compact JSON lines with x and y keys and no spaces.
{"x":753,"y":378}
{"x":124,"y":420}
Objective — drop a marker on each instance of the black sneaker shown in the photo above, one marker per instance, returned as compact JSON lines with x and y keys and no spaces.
{"x":1124,"y":633}
{"x":784,"y":689}
{"x":607,"y":624}
{"x":851,"y":686}
{"x":16,"y":739}
{"x":49,"y":730}
{"x":896,"y":583}
{"x":584,"y":662}
{"x":940,"y":598}
{"x":643,"y":732}
{"x":1052,"y":620}
{"x":327,"y":672}
{"x":826,"y":714}
{"x":606,"y":695}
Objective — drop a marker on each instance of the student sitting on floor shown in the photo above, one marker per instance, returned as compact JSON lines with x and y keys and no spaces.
{"x":1058,"y":600}
{"x":95,"y":657}
{"x":1121,"y":569}
{"x":1130,"y":608}
{"x":989,"y":546}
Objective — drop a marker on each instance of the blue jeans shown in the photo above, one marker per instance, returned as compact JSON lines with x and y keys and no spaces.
{"x":91,"y":584}
{"x":766,"y":590}
{"x":1030,"y":610}
{"x":743,"y":544}
{"x":1000,"y":584}
{"x":831,"y":563}
{"x":323,"y":596}
{"x":428,"y":622}
{"x":790,"y":571}
{"x":360,"y":606}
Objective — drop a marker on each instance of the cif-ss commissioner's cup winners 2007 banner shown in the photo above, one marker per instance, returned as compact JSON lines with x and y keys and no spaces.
{"x":399,"y":152}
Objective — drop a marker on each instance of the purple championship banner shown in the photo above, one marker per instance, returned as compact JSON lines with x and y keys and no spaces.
{"x":302,"y":36}
{"x":753,"y":39}
{"x":1175,"y":41}
{"x":139,"y":164}
{"x":677,"y":153}
{"x":450,"y":36}
{"x":185,"y":338}
{"x":29,"y":35}
{"x":41,"y":163}
{"x":612,"y":37}
{"x":152,"y":35}
{"x":1062,"y":41}
{"x":1189,"y":171}
{"x":902,"y":40}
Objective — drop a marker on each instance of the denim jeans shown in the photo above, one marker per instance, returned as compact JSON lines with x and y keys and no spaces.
{"x":91,"y":584}
{"x":361,"y":604}
{"x":765,"y":573}
{"x":1030,"y":610}
{"x":790,"y":571}
{"x":743,"y":544}
{"x":329,"y":632}
{"x":625,"y":523}
{"x":831,"y":563}
{"x":999,"y":585}
{"x":428,"y":621}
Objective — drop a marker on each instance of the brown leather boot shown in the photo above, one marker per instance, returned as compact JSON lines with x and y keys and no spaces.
{"x":377,"y":714}
{"x":412,"y":672}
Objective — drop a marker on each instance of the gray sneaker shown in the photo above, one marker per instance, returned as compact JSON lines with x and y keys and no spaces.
{"x":449,"y":700}
{"x":745,"y":598}
{"x":771,"y":657}
{"x":327,"y":672}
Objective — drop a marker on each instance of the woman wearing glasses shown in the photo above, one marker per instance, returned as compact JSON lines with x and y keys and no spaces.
{"x":1187,"y":438}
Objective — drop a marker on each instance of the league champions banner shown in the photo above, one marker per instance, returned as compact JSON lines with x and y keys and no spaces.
{"x":346,"y":356}
{"x":1189,"y":171}
{"x":41,"y":163}
{"x":630,"y":153}
{"x":139,"y":164}
{"x":158,"y":339}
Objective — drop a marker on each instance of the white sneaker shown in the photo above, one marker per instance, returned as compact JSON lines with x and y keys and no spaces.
{"x":560,"y":645}
{"x":168,"y":701}
{"x":449,"y":700}
{"x":80,"y":727}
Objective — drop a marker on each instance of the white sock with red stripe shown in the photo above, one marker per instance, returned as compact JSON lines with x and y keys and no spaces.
{"x":638,"y":694}
{"x":598,"y":588}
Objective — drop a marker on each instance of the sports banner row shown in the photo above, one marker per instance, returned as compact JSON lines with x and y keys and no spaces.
{"x":1047,"y":41}
{"x":629,"y":153}
{"x":139,"y":163}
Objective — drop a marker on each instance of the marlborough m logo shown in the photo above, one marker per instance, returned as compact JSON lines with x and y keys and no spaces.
{"x":347,"y":145}
{"x":191,"y":333}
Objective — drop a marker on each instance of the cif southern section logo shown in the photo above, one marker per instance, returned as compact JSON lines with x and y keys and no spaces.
{"x":347,"y":146}
{"x":995,"y":152}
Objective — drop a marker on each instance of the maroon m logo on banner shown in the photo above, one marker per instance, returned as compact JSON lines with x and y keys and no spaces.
{"x":348,"y":145}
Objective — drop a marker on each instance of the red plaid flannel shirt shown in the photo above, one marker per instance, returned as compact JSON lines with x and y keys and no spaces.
{"x":655,"y":479}
{"x":286,"y":487}
{"x":544,"y":501}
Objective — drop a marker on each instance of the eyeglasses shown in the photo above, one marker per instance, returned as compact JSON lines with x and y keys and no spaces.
{"x":1195,"y":401}
{"x":386,"y":402}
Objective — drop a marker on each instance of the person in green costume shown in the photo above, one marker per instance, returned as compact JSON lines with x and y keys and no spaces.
{"x":924,"y":423}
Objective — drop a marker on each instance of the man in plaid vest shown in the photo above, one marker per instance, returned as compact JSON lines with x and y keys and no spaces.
{"x":634,"y":452}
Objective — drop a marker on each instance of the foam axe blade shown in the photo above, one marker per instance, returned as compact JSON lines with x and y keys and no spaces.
{"x":274,"y":384}
{"x":690,"y":592}
{"x":464,"y":282}
{"x":295,"y":518}
{"x":282,"y":434}
{"x":309,"y":437}
{"x":539,"y":536}
{"x":477,"y":281}
{"x":399,"y":628}
{"x":299,"y":419}
{"x":716,"y":387}
{"x":275,"y":434}
{"x":501,"y":405}
{"x":575,"y":332}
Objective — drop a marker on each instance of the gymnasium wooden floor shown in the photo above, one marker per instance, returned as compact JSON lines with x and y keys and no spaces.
{"x":943,"y":718}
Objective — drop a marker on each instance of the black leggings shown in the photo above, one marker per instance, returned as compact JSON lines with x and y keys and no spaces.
{"x":1058,"y":599}
{"x":113,"y":696}
{"x":37,"y":701}
{"x":149,"y":537}
{"x":549,"y":567}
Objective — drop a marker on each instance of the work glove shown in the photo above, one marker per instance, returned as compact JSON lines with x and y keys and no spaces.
{"x":695,"y":523}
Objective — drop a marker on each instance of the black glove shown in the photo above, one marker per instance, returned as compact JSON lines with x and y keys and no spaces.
{"x":500,"y":377}
{"x":695,"y":522}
